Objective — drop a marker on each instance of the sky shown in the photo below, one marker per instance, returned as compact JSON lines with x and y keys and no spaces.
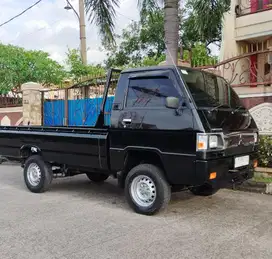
{"x":51,"y":28}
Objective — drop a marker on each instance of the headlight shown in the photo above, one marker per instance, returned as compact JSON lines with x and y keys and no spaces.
{"x":213,"y":141}
{"x":209,"y":141}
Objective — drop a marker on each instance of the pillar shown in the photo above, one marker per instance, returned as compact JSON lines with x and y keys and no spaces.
{"x":32,"y":103}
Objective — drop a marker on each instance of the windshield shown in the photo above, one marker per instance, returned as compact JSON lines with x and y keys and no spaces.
{"x":209,"y":90}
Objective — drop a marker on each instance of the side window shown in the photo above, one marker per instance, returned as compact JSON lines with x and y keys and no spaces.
{"x":229,"y":96}
{"x":223,"y":91}
{"x":211,"y":85}
{"x":150,"y":92}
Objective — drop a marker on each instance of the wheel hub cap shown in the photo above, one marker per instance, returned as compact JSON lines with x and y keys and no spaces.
{"x":34,"y":174}
{"x":143,"y":191}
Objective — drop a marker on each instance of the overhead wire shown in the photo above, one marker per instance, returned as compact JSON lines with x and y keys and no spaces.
{"x":21,"y":13}
{"x":133,"y":20}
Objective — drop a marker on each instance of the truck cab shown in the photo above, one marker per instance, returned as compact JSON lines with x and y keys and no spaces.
{"x":188,"y":122}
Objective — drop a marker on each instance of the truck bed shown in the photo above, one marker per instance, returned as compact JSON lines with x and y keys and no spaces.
{"x":72,"y":146}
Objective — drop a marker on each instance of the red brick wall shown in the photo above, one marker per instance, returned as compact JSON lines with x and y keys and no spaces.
{"x":250,"y":102}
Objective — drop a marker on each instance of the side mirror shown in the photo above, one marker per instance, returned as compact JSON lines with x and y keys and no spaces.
{"x":172,"y":102}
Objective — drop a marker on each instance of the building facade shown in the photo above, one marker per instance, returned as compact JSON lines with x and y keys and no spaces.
{"x":246,"y":56}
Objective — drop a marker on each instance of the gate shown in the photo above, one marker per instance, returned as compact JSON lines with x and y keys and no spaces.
{"x":78,"y":105}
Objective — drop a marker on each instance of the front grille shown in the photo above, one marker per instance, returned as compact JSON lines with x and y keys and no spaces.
{"x":239,"y":139}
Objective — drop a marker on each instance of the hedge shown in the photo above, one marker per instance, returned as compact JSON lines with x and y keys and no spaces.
{"x":265,"y":151}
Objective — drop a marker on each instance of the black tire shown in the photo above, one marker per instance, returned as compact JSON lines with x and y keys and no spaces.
{"x":204,"y":190}
{"x":45,"y":171}
{"x":97,"y":177}
{"x":162,"y":188}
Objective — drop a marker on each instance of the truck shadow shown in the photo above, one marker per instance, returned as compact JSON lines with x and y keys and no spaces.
{"x":81,"y":186}
{"x":108,"y":192}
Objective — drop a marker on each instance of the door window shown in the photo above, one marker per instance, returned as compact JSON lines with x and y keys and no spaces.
{"x":150,"y":92}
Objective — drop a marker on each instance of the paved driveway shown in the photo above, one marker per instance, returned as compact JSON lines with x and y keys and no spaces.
{"x":78,"y":219}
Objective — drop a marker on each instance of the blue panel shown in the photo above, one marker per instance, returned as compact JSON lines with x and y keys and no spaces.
{"x":82,"y":112}
{"x":108,"y":108}
{"x":75,"y":112}
{"x":54,"y":113}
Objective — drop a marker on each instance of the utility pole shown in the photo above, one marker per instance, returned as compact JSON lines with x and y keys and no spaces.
{"x":82,"y":32}
{"x":82,"y":29}
{"x":83,"y":48}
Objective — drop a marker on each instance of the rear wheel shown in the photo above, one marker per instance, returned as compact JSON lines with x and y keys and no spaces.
{"x":96,"y":177}
{"x":146,"y":189}
{"x":204,"y":190}
{"x":37,"y":174}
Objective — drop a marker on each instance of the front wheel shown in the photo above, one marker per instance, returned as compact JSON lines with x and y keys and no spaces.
{"x":146,"y":189}
{"x":204,"y":190}
{"x":37,"y":174}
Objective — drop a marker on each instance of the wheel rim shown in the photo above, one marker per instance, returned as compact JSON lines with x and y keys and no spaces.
{"x":143,"y":191}
{"x":34,"y":174}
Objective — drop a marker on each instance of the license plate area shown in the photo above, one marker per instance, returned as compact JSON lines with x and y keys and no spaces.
{"x":241,"y":161}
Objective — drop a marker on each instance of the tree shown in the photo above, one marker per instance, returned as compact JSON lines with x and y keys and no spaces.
{"x":152,"y":33}
{"x":103,"y":14}
{"x":77,"y":70}
{"x":205,"y":20}
{"x":171,"y":30}
{"x":199,"y":55}
{"x":18,"y":66}
{"x":140,"y":41}
{"x":142,"y":44}
{"x":208,"y":15}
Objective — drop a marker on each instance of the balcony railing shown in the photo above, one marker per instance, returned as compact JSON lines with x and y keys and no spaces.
{"x":245,"y":7}
{"x":243,"y":70}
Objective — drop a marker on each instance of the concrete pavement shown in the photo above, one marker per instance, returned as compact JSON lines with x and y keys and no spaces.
{"x":78,"y":219}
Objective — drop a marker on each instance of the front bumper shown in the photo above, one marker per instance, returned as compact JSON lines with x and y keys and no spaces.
{"x":226,"y":174}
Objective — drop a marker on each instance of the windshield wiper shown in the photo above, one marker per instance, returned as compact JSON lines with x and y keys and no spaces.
{"x":237,"y":109}
{"x":215,"y":108}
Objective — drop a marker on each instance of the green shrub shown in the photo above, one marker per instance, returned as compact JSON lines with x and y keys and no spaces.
{"x":265,"y":151}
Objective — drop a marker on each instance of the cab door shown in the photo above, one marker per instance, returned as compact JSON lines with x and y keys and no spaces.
{"x":145,"y":123}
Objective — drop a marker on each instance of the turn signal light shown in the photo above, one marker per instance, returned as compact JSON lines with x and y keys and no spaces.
{"x":200,"y":145}
{"x":212,"y":175}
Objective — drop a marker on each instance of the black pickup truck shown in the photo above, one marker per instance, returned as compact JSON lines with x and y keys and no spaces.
{"x":171,"y":129}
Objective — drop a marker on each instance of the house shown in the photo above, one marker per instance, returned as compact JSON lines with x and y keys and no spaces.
{"x":246,"y":56}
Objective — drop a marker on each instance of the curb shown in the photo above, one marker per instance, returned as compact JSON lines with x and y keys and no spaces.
{"x":257,"y":187}
{"x":5,"y":161}
{"x":9,"y":164}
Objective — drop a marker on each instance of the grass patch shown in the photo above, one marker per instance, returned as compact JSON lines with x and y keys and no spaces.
{"x":262,"y":179}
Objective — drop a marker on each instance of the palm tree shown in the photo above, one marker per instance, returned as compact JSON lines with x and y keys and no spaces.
{"x":103,"y":14}
{"x":171,"y":30}
{"x":206,"y":18}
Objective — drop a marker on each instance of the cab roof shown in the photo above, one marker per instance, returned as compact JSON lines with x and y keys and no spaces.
{"x":143,"y":69}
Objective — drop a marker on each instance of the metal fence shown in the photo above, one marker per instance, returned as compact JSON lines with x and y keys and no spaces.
{"x":247,"y":70}
{"x":11,"y":100}
{"x":78,"y":105}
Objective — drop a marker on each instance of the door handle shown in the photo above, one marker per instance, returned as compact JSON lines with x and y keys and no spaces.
{"x":125,"y":122}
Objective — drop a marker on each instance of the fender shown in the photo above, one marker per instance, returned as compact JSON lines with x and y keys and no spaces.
{"x":32,"y":148}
